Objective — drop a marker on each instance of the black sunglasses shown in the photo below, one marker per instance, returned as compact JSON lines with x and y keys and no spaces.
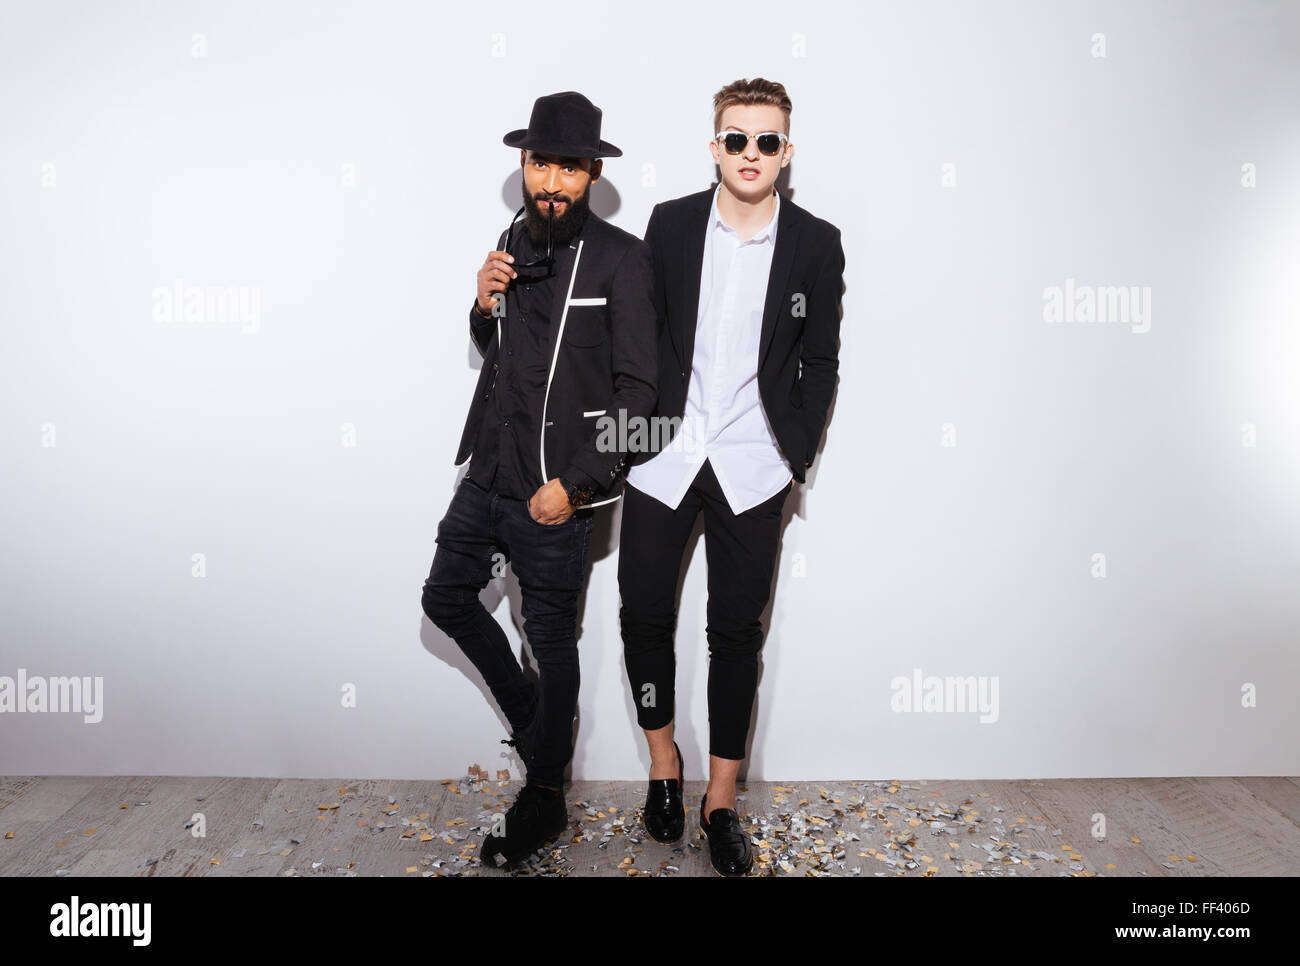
{"x":769,"y":142}
{"x":547,"y":261}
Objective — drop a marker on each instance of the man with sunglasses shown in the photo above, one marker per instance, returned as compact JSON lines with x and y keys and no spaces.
{"x":565,"y":320}
{"x":747,"y":290}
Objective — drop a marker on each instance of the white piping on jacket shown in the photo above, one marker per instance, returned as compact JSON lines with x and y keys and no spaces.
{"x":564,"y":316}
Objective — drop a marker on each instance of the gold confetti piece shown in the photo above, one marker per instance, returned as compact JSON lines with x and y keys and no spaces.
{"x":411,"y":868}
{"x":445,"y":781}
{"x":287,"y":809}
{"x":64,"y":842}
{"x":285,"y":851}
{"x":9,"y":835}
{"x":1190,"y":858}
{"x":1110,"y":865}
{"x":1076,"y":856}
{"x":1175,"y":858}
{"x":361,"y":823}
{"x":215,"y":862}
{"x":1134,"y":838}
{"x":1067,"y":848}
{"x":91,"y":831}
{"x":426,"y":837}
{"x":455,"y":821}
{"x":926,"y":858}
{"x":322,"y":818}
{"x":326,"y":808}
{"x":124,"y":805}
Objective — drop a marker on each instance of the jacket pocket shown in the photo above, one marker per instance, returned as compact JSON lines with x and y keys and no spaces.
{"x":586,"y":325}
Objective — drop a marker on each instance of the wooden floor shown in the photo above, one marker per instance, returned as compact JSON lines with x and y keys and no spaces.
{"x":1153,"y":827}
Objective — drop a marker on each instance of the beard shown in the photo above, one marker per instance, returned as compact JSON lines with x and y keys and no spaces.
{"x":565,"y":227}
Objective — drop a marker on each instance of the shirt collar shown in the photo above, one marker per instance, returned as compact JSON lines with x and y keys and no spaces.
{"x":768,"y":230}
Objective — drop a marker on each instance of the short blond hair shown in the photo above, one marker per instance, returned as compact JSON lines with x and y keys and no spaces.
{"x":756,"y":91}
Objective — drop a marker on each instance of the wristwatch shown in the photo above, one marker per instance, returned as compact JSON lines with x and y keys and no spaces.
{"x":577,"y":495}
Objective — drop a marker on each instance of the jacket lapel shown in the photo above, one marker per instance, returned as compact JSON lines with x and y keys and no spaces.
{"x":691,"y":264}
{"x":787,"y":241}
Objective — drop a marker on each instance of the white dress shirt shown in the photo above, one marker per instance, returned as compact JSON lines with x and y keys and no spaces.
{"x":724,"y":420}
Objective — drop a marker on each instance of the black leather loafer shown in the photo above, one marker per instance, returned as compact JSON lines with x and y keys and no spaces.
{"x":729,"y":848}
{"x":665,"y":815}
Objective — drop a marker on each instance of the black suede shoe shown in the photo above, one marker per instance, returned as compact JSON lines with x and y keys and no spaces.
{"x":665,"y":816}
{"x":537,"y":818}
{"x":729,"y":848}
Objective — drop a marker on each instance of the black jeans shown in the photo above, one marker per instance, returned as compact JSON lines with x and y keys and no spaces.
{"x":741,"y":555}
{"x":481,"y":530}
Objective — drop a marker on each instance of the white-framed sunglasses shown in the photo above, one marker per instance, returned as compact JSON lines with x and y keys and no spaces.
{"x":769,"y":142}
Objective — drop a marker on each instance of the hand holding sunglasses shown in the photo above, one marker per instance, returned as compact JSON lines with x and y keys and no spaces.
{"x":542,"y":266}
{"x":770,"y":143}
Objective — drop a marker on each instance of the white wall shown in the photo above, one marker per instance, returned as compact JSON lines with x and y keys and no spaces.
{"x":127,"y":163}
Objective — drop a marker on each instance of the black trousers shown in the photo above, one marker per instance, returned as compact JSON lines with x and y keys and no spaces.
{"x":481,"y":530}
{"x":741,"y":554}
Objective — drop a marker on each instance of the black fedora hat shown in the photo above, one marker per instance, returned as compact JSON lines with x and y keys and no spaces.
{"x":566,"y":125}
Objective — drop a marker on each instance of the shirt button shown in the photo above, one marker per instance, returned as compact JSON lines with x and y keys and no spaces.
{"x":505,"y":422}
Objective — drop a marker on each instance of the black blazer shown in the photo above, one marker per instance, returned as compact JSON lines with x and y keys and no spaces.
{"x":603,"y":357}
{"x":799,"y":341}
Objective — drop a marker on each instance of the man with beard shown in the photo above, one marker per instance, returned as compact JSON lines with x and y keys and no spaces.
{"x":565,"y":320}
